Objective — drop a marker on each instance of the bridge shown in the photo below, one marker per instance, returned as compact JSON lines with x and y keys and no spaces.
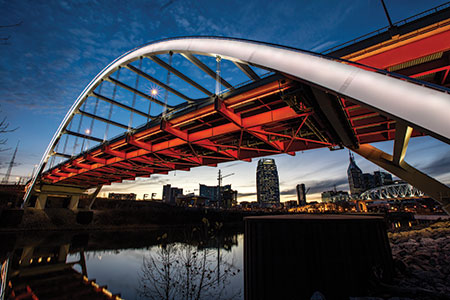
{"x":392,"y":191}
{"x":294,"y":100}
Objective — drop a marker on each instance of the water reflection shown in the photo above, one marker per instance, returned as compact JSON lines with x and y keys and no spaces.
{"x":200,"y":263}
{"x":184,"y":271}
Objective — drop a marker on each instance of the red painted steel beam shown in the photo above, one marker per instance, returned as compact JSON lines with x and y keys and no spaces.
{"x":229,"y":114}
{"x":69,"y":170}
{"x":207,"y":144}
{"x":416,"y":49}
{"x":446,"y":68}
{"x":277,"y":115}
{"x":109,"y":150}
{"x":84,"y":167}
{"x":90,"y":157}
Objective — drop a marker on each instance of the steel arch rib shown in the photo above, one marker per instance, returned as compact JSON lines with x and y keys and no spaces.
{"x":421,"y":107}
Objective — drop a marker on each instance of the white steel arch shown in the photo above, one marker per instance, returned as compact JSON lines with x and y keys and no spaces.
{"x":401,"y":190}
{"x":401,"y":100}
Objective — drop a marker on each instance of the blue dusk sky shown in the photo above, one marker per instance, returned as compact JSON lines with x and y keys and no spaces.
{"x":60,"y":46}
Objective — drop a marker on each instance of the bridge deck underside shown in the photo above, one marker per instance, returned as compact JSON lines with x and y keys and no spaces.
{"x":263,"y":118}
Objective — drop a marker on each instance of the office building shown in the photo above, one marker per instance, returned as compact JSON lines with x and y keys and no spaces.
{"x":170,"y":194}
{"x":301,"y":194}
{"x":382,"y":178}
{"x":267,"y":183}
{"x":335,"y":196}
{"x":227,"y":198}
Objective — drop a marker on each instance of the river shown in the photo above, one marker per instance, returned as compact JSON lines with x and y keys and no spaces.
{"x":203,"y":262}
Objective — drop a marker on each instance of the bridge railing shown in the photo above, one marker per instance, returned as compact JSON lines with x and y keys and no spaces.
{"x":385,"y":28}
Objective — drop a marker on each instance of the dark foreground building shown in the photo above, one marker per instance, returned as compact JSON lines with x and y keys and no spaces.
{"x":227,"y":199}
{"x":170,"y":194}
{"x":267,"y":184}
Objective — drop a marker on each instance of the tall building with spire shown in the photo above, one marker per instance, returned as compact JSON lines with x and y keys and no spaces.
{"x":267,"y":183}
{"x":355,"y":177}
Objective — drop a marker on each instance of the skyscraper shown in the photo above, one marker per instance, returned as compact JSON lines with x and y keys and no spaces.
{"x":301,"y":194}
{"x":355,"y":178}
{"x":267,"y":183}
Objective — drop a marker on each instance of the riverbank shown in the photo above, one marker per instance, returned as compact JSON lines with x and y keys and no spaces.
{"x":60,"y":219}
{"x":422,"y":259}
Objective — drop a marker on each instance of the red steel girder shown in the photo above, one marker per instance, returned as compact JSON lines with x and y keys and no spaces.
{"x":69,"y":170}
{"x":410,"y":51}
{"x":207,"y":144}
{"x":91,"y":158}
{"x":229,"y":114}
{"x":446,"y":69}
{"x":166,"y":147}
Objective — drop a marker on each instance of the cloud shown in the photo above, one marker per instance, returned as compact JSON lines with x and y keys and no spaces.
{"x":246,"y":194}
{"x":327,"y":184}
{"x":439,"y":166}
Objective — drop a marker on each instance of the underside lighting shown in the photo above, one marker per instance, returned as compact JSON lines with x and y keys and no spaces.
{"x":87,"y":131}
{"x":154,"y":92}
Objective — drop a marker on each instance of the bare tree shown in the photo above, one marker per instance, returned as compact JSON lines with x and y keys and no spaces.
{"x":4,"y":128}
{"x":4,"y":40}
{"x":188,"y":271}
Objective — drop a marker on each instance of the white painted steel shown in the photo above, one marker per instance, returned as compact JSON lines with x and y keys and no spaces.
{"x":417,"y":105}
{"x":394,"y":191}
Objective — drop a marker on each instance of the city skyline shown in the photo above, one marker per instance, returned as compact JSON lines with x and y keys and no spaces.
{"x":25,"y":102}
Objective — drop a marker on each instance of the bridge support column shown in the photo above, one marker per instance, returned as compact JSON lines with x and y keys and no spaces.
{"x":41,"y":201}
{"x":430,"y":186}
{"x":45,"y":190}
{"x":63,"y":252}
{"x":74,"y":200}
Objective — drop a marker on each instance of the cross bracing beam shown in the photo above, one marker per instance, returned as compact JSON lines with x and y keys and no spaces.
{"x":206,"y":69}
{"x":62,"y":154}
{"x":137,"y":92}
{"x":84,"y":136}
{"x":229,"y":114}
{"x":157,"y":82}
{"x":92,"y":116}
{"x":247,"y":71}
{"x":179,"y":74}
{"x":121,"y":105}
